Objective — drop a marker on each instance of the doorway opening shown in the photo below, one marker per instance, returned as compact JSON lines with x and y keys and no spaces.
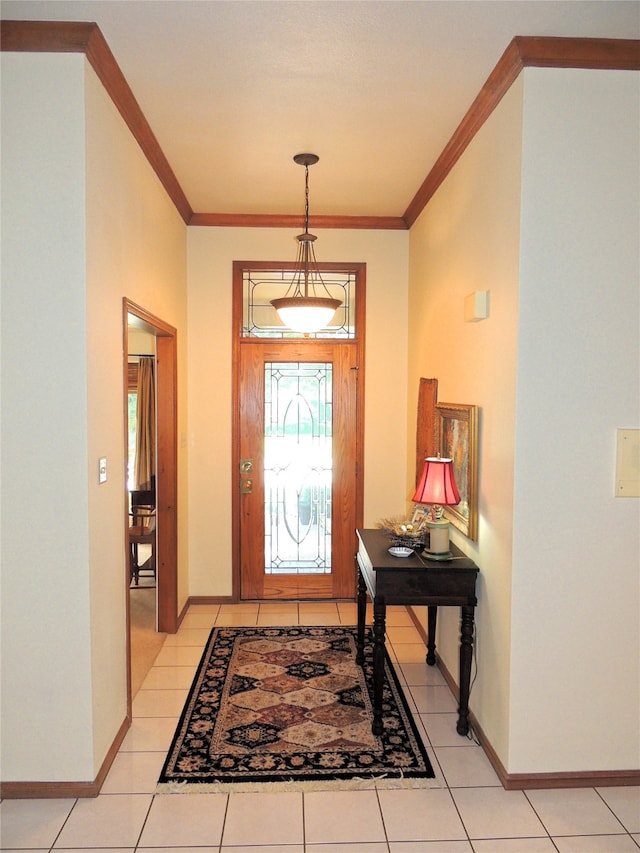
{"x":151,"y":487}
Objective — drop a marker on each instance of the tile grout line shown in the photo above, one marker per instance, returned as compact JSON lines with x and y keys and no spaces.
{"x":597,"y":792}
{"x":384,"y":825}
{"x":144,"y":822}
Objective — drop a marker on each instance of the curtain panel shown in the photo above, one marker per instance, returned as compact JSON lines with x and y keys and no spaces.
{"x":146,"y":424}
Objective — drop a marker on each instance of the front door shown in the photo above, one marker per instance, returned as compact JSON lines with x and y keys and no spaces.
{"x":297,"y":473}
{"x":298,"y":495}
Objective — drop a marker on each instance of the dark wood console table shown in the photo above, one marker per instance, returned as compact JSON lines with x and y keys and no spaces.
{"x":414,"y":580}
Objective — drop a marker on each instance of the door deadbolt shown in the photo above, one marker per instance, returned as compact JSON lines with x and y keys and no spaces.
{"x":246,"y":466}
{"x":246,"y":486}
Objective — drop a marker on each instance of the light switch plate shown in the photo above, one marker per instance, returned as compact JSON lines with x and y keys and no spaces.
{"x":628,"y":464}
{"x":102,"y":469}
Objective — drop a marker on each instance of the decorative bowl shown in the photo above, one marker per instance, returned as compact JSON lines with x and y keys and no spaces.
{"x":400,"y":551}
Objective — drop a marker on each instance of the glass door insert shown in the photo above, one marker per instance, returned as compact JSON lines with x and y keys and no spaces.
{"x":298,"y":467}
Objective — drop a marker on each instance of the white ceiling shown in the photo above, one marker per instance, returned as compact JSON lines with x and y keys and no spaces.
{"x":234,"y":88}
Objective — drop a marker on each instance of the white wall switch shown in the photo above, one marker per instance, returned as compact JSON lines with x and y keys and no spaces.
{"x":102,"y":469}
{"x":628,"y":464}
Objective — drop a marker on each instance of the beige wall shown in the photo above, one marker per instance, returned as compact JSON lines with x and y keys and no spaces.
{"x":211,"y":253}
{"x":467,"y":239}
{"x":542,"y":211}
{"x":575,"y":651}
{"x":85,"y":222}
{"x":46,"y":640}
{"x":136,"y":247}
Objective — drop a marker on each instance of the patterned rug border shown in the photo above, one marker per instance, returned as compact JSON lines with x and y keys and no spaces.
{"x":319,"y":781}
{"x":380,"y":783}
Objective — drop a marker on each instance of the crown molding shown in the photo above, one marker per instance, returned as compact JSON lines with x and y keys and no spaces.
{"x":555,"y":52}
{"x":258,"y":220}
{"x":76,"y":37}
{"x":522,"y":52}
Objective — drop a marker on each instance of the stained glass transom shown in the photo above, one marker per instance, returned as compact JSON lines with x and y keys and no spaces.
{"x":260,"y":319}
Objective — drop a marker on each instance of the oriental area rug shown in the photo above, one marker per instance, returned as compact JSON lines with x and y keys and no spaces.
{"x":288,"y":708}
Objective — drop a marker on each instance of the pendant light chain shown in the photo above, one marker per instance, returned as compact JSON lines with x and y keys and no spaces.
{"x":306,"y":198}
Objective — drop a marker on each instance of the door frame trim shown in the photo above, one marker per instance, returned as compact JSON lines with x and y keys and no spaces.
{"x":360,"y":269}
{"x":166,"y":470}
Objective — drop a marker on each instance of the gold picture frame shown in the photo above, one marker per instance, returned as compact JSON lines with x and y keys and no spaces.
{"x":457,"y":429}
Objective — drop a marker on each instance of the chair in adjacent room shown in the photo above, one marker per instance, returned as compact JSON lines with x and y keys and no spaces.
{"x":142,"y":532}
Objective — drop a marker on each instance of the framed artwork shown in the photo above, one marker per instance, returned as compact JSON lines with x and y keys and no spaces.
{"x":457,"y":427}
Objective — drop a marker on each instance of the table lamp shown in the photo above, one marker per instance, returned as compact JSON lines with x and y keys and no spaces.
{"x":437,"y":487}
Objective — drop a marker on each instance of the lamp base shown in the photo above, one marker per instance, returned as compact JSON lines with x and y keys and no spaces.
{"x":438,"y":547}
{"x":429,"y":555}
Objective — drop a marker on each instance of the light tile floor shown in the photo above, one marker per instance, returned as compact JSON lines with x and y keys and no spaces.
{"x":469,"y":811}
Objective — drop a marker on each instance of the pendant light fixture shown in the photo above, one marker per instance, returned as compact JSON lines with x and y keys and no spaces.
{"x":307,"y":306}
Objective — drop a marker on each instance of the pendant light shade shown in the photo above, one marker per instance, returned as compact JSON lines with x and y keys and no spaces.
{"x":306,"y":314}
{"x":307,"y":306}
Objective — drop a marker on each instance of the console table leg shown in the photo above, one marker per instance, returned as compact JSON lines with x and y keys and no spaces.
{"x":432,"y":616}
{"x":362,"y":609}
{"x":466,"y":655}
{"x":379,"y":614}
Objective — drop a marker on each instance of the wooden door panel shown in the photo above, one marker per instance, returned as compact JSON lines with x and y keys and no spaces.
{"x":254,"y":582}
{"x":345,"y":472}
{"x":251,"y":448}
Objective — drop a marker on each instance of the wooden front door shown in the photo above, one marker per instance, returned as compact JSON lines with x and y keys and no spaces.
{"x":297,"y":471}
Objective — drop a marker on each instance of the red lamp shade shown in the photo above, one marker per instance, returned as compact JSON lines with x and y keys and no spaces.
{"x":437,"y":484}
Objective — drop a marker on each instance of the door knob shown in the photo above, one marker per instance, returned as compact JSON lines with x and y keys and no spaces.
{"x":246,"y":466}
{"x":246,"y":486}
